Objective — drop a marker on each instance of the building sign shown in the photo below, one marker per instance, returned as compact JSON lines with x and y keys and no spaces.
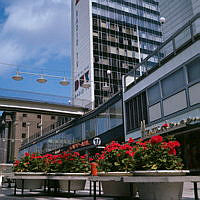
{"x":80,"y":144}
{"x":97,"y":141}
{"x":83,"y":78}
{"x":160,"y":129}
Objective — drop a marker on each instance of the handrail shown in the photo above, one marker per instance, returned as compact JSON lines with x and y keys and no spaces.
{"x":159,"y":52}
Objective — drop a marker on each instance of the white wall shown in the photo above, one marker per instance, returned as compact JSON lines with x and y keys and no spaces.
{"x":82,"y":31}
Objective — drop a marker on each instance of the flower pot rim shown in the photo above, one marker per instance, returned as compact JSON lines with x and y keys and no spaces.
{"x":160,"y":172}
{"x":69,"y":174}
{"x":29,"y":173}
{"x":114,"y":173}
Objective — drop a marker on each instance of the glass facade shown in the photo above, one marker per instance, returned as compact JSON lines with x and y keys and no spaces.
{"x":120,"y":28}
{"x":103,"y":121}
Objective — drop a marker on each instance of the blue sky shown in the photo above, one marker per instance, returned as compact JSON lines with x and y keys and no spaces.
{"x":35,"y":35}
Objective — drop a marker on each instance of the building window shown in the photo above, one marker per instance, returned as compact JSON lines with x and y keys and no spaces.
{"x":95,"y":46}
{"x":24,"y":115}
{"x":96,"y":59}
{"x":23,"y":124}
{"x":95,"y":22}
{"x":173,"y":83}
{"x":53,"y":117}
{"x":39,"y":116}
{"x":193,"y":70}
{"x":23,"y":135}
{"x":154,"y":94}
{"x":136,"y":111}
{"x":38,"y":125}
{"x":104,"y":36}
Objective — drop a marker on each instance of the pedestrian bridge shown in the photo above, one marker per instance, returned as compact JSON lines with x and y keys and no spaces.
{"x":23,"y":101}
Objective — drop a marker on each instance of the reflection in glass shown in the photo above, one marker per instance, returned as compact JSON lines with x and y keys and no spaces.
{"x":77,"y":133}
{"x":115,"y":112}
{"x":90,"y":128}
{"x":102,"y":122}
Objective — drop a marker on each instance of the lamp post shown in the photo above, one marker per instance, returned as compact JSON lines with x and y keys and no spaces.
{"x":41,"y":126}
{"x":28,"y":127}
{"x":107,"y":86}
{"x":162,"y":21}
{"x":5,"y":141}
{"x":109,"y":81}
{"x":139,"y":52}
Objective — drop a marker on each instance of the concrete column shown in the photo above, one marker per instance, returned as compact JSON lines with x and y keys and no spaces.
{"x":1,"y":177}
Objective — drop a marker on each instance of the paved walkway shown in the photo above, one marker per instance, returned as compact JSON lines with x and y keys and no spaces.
{"x":7,"y":194}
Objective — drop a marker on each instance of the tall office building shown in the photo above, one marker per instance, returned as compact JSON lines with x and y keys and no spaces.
{"x":109,"y":37}
{"x":177,"y":13}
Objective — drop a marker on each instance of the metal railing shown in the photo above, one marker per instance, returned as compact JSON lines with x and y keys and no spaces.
{"x":169,"y":48}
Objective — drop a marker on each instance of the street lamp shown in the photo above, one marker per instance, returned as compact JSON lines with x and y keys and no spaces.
{"x":41,"y":125}
{"x":64,"y":82}
{"x":139,"y":52}
{"x":28,"y":133}
{"x":17,"y":77}
{"x":162,"y":21}
{"x":41,"y":79}
{"x":107,"y":86}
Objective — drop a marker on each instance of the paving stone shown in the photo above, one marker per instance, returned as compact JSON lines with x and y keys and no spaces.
{"x":7,"y":194}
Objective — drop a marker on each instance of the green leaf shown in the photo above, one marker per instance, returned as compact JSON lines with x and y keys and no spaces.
{"x":116,"y":164}
{"x":154,"y":167}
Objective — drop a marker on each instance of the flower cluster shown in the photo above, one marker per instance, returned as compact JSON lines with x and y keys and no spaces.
{"x":116,"y":157}
{"x":29,"y":162}
{"x":153,"y":154}
{"x":157,"y":154}
{"x":64,"y":162}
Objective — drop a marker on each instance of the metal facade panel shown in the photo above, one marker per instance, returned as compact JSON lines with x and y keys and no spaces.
{"x":174,"y":103}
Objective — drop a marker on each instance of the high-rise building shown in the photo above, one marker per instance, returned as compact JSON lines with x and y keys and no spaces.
{"x":177,"y":13}
{"x":109,"y":37}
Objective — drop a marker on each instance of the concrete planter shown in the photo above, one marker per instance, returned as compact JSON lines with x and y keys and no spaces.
{"x":116,"y":188}
{"x":29,"y":183}
{"x":72,"y":185}
{"x":160,"y":190}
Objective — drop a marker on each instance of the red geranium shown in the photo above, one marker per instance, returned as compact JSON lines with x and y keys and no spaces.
{"x":156,"y":139}
{"x":116,"y":157}
{"x":156,"y":154}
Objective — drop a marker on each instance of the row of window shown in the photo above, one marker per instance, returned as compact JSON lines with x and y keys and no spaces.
{"x":127,"y":18}
{"x":133,"y":7}
{"x":114,"y":38}
{"x":38,"y":116}
{"x":26,"y":124}
{"x":113,"y":26}
{"x":174,"y":82}
{"x":136,"y":111}
{"x":115,"y":50}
